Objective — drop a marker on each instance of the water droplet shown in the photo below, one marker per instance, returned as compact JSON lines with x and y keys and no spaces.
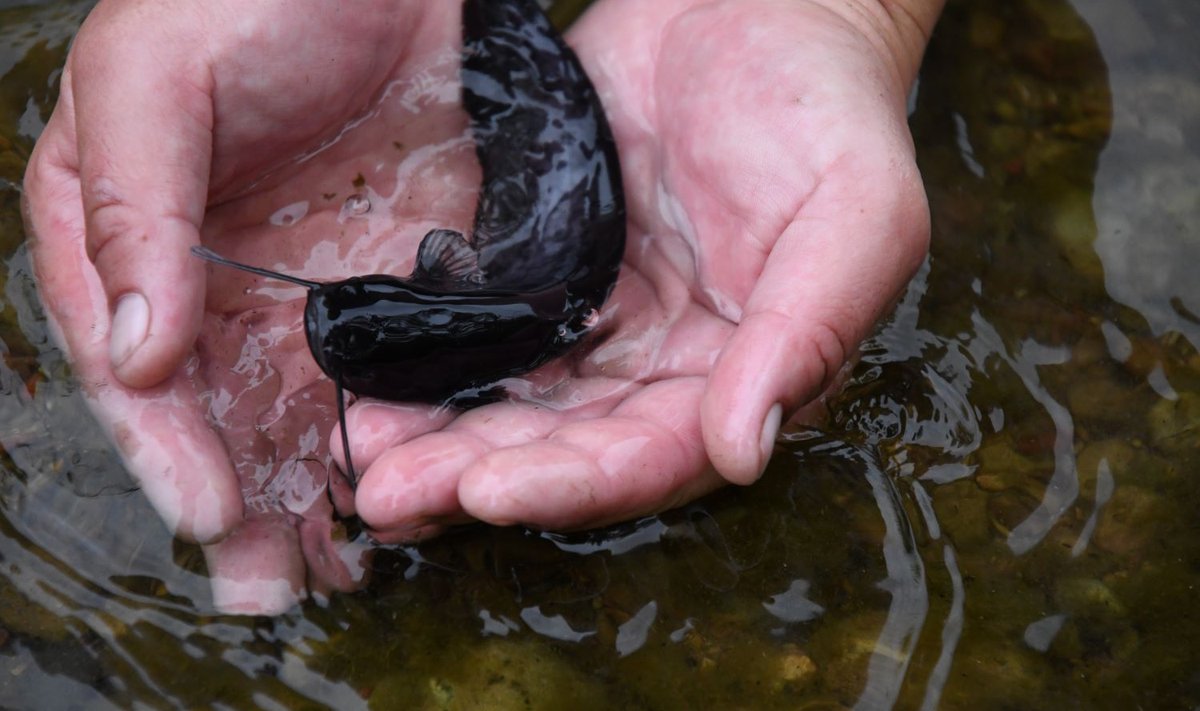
{"x":357,"y":204}
{"x":289,"y":214}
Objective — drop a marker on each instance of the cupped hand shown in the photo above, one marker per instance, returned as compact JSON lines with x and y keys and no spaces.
{"x":218,"y":121}
{"x":775,"y":213}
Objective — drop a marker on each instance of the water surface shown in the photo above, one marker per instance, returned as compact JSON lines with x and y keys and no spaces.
{"x":1000,"y":511}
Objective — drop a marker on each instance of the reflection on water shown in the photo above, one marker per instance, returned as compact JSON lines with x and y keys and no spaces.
{"x":998,"y":512}
{"x":1147,"y":198}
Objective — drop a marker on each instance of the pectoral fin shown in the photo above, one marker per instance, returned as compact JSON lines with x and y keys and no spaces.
{"x":446,"y":259}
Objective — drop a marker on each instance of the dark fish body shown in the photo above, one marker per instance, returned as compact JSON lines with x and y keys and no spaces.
{"x":547,"y":241}
{"x":552,"y":207}
{"x":406,"y":342}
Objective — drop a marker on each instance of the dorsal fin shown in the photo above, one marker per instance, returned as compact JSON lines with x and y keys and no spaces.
{"x":445,"y":259}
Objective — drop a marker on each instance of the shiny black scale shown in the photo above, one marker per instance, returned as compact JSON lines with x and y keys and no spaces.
{"x":546,"y":244}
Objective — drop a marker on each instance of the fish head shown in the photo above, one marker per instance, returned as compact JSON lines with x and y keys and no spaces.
{"x":390,"y":338}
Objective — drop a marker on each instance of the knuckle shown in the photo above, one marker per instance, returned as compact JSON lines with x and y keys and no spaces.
{"x":817,"y":349}
{"x":110,"y":218}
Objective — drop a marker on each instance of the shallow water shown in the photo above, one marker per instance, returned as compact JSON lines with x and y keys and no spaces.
{"x":999,"y":513}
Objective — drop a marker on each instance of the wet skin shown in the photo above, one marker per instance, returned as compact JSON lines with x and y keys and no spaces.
{"x":774,"y":213}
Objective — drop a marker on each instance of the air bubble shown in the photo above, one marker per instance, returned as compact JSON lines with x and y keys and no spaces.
{"x":591,"y":319}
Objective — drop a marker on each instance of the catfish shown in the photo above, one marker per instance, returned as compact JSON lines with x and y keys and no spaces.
{"x":544,"y":251}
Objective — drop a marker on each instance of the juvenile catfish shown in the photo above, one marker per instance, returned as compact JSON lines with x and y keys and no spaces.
{"x":545,"y":249}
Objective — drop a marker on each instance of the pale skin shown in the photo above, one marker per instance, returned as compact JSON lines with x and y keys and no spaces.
{"x":775,"y":214}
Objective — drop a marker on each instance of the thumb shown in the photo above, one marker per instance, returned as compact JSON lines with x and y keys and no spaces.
{"x":144,"y":129}
{"x":834,"y":271}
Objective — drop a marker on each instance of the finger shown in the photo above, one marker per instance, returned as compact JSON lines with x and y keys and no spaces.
{"x":411,"y":491}
{"x":258,"y":569}
{"x":414,"y":487}
{"x":162,"y":433}
{"x":646,"y":456}
{"x":144,"y":145}
{"x":833,"y":272}
{"x":176,"y":458}
{"x":335,"y":564}
{"x":374,"y":426}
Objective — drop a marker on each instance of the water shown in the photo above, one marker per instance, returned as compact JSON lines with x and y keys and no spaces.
{"x":999,"y":512}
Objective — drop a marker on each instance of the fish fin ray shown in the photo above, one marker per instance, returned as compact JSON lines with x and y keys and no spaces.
{"x":446,"y":258}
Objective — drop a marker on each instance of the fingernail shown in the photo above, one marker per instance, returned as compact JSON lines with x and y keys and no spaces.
{"x":130,"y":324}
{"x":770,"y":430}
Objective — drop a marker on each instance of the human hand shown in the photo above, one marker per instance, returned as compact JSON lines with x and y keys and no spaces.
{"x":622,"y":431}
{"x":775,"y":213}
{"x":181,"y":121}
